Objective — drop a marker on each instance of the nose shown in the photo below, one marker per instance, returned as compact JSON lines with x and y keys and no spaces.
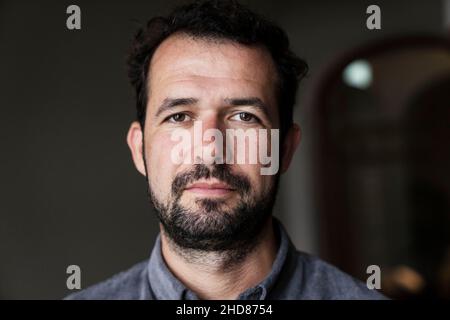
{"x":209,"y":140}
{"x":212,"y":121}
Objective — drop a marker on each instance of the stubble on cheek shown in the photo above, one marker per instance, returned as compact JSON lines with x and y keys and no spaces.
{"x":159,"y":166}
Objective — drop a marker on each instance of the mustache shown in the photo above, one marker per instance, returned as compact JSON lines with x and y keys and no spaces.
{"x":222,"y":172}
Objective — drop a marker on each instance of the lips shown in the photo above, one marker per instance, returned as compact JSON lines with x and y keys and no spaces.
{"x":204,"y":188}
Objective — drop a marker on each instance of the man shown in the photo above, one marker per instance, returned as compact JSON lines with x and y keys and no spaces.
{"x":217,"y":66}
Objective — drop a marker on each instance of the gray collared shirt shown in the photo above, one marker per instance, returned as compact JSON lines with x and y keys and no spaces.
{"x":294,"y":275}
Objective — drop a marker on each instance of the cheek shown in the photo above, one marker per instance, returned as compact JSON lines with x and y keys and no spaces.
{"x":260,"y":184}
{"x":266,"y":155}
{"x":160,"y":166}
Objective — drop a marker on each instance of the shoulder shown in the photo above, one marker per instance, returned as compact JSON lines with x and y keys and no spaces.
{"x":317,"y":279}
{"x":127,"y":285}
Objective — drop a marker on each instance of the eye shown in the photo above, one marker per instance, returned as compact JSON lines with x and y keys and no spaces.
{"x":245,"y":117}
{"x":178,"y":117}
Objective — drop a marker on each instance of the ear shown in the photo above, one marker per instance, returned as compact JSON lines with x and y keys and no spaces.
{"x":290,"y":144}
{"x":134,"y":141}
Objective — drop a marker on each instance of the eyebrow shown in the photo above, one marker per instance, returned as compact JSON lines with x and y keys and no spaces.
{"x":256,"y":102}
{"x":249,"y":101}
{"x":169,"y":103}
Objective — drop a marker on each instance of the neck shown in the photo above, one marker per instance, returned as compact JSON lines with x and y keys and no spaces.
{"x":225,"y":274}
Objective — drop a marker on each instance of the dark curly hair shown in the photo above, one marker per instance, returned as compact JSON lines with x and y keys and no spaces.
{"x":218,"y":19}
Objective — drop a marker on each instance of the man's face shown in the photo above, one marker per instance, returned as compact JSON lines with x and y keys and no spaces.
{"x":223,"y":85}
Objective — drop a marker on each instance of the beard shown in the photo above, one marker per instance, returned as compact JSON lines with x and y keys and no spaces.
{"x":213,"y":225}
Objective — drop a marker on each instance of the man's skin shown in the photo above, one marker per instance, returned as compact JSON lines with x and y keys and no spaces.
{"x":211,"y":72}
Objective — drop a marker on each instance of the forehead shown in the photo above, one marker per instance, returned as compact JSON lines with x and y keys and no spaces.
{"x":185,"y":64}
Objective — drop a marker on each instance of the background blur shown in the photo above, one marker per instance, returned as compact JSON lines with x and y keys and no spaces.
{"x":370,"y":183}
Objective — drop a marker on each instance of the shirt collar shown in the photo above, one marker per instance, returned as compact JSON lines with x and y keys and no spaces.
{"x":166,"y":286}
